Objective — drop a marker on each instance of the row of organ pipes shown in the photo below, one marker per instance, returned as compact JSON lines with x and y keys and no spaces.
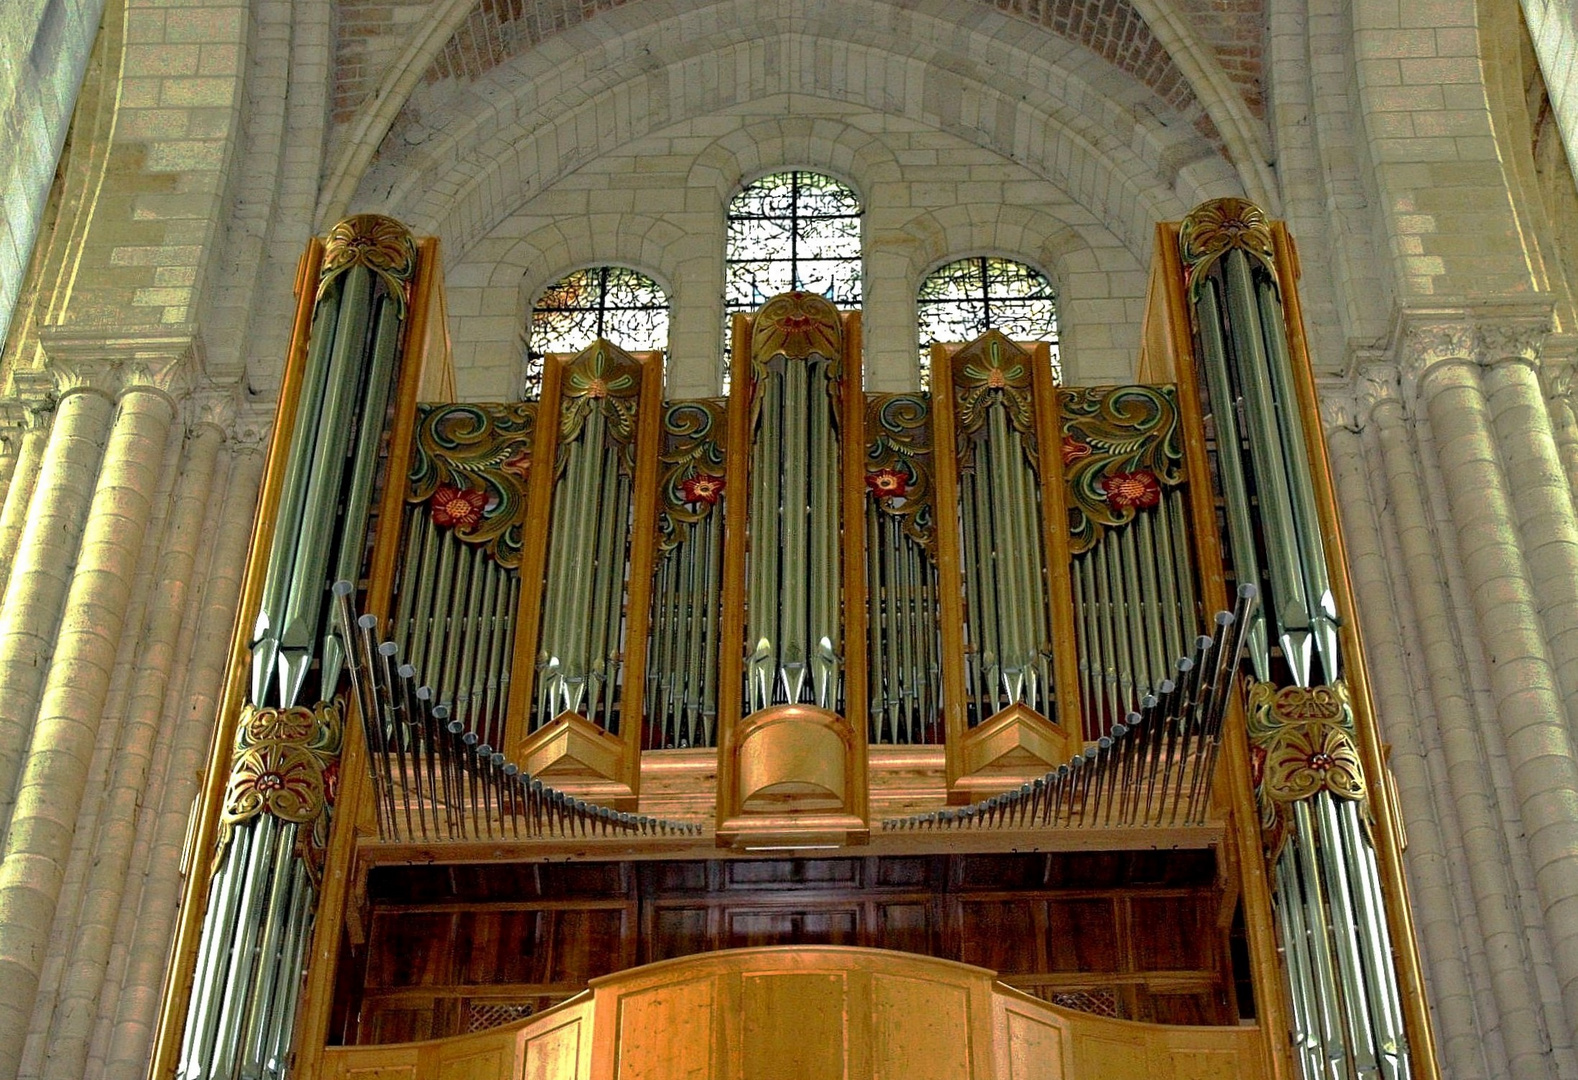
{"x":462,"y":590}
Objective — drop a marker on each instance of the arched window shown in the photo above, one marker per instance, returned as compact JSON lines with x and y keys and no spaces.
{"x":790,"y":230}
{"x":614,"y":302}
{"x":964,"y":299}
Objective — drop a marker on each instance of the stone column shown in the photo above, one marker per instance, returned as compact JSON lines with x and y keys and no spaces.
{"x":193,"y":714}
{"x":55,"y":769}
{"x":104,"y":891}
{"x":1557,"y":374}
{"x":1524,"y":686}
{"x":45,"y":552}
{"x":1478,"y":823}
{"x":1537,"y":481}
{"x":30,"y":438}
{"x":1432,"y":893}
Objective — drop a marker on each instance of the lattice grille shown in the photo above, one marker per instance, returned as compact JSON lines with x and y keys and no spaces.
{"x":481,"y":1015}
{"x":1096,"y":1001}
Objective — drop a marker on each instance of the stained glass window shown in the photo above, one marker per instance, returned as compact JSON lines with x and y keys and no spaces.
{"x":790,"y":230}
{"x":613,"y":302}
{"x":962,"y":300}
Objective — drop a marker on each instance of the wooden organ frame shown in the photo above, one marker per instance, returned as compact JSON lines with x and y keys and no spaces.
{"x":703,"y":786}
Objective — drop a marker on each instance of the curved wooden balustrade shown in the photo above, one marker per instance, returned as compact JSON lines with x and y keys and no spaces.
{"x":809,"y":1013}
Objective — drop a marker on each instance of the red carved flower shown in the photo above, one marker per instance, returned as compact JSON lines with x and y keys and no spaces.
{"x":796,"y":322}
{"x":455,"y":508}
{"x":597,"y":388}
{"x":887,"y":484}
{"x":519,"y":462}
{"x":1321,"y":761}
{"x":268,"y":781}
{"x":1074,"y":450}
{"x":1138,"y":489}
{"x":702,"y":488}
{"x":995,"y":379}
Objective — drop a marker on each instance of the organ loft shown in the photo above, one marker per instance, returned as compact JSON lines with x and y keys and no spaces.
{"x":1002,"y":728}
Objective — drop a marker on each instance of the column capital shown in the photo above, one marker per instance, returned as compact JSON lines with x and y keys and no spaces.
{"x":1556,"y":376}
{"x":18,"y":415}
{"x":1379,"y":383}
{"x":213,"y":405}
{"x":253,"y":422}
{"x":169,"y":361}
{"x":1339,"y":405}
{"x":1520,"y":340}
{"x":1425,"y":345}
{"x":1425,"y":338}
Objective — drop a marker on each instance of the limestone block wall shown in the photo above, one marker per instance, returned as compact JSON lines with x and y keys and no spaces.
{"x":44,"y":49}
{"x":658,"y":204}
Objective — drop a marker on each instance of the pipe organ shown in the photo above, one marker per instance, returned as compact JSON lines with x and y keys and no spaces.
{"x":1056,"y":680}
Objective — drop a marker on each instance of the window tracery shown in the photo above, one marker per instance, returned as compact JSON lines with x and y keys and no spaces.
{"x":790,"y":230}
{"x":961,"y":300}
{"x":614,"y":302}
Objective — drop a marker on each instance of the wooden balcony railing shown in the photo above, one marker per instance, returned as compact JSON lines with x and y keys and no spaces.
{"x":813,"y":1013}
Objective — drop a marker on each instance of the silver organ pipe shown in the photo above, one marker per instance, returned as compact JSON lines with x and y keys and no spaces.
{"x":905,"y":666}
{"x":682,"y":678}
{"x":1008,"y":641}
{"x":794,"y":573}
{"x":436,"y":777}
{"x":1133,"y":583}
{"x":274,"y":820}
{"x":1153,"y":769}
{"x":632,"y":554}
{"x":458,"y":587}
{"x":1347,"y":1010}
{"x":581,"y":636}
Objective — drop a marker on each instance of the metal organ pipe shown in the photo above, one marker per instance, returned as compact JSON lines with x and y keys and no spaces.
{"x":243,"y":996}
{"x":1347,"y":1009}
{"x":794,"y":573}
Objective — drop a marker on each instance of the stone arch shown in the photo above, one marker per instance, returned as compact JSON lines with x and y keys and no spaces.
{"x":486,"y":143}
{"x":1100,"y":282}
{"x":492,"y":292}
{"x":825,"y":144}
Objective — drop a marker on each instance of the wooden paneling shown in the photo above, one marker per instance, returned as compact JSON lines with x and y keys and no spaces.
{"x":794,"y":1026}
{"x":449,"y":945}
{"x":816,"y":1013}
{"x":665,"y":1032}
{"x":920,"y":1029}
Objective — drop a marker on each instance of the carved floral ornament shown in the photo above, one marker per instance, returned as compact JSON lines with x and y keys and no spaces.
{"x":1481,"y":339}
{"x":470,"y":464}
{"x":1302,"y":742}
{"x":898,"y":463}
{"x":693,"y":481}
{"x":602,"y":378}
{"x":1122,"y":448}
{"x":381,"y":244}
{"x":1214,"y":228}
{"x":992,"y":370}
{"x":797,"y":326}
{"x":286,"y":763}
